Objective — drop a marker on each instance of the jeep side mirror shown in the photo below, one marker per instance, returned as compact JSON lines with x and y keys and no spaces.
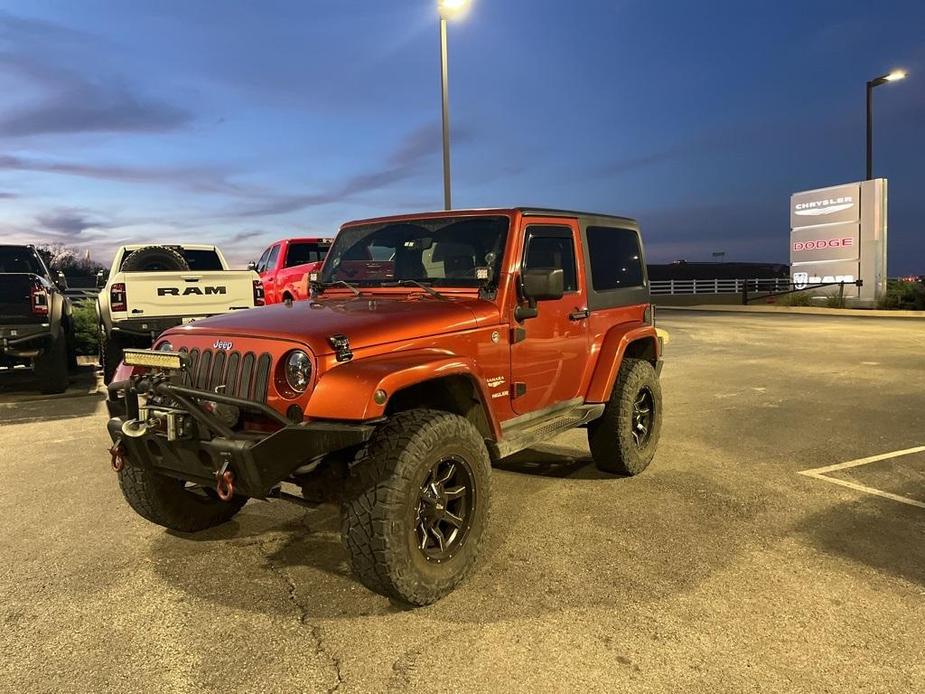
{"x":541,"y":284}
{"x":544,"y":284}
{"x":61,"y":280}
{"x":252,"y":266}
{"x":100,"y":279}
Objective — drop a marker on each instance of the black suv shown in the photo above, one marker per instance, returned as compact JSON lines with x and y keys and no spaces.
{"x":35,"y":318}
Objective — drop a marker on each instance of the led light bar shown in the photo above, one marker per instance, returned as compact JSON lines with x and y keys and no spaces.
{"x":155,"y":360}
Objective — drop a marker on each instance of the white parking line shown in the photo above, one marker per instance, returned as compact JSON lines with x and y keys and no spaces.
{"x":819,"y":474}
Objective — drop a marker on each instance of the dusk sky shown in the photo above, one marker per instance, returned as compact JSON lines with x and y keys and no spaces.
{"x":242,"y":122}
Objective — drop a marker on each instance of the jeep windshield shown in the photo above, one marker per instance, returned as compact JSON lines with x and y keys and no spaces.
{"x":443,"y":252}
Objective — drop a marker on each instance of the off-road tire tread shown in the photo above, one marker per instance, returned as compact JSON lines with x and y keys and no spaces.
{"x":51,"y":367}
{"x":111,"y":349}
{"x":374,"y":498}
{"x":163,"y":501}
{"x":612,"y":446}
{"x":135,"y":261}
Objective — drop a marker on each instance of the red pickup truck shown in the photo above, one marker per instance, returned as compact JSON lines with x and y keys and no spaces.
{"x":284,"y":266}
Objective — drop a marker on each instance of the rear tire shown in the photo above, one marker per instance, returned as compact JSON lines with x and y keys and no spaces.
{"x":418,"y":469}
{"x":155,"y":259}
{"x":167,"y":502}
{"x":51,"y":367}
{"x":623,"y":440}
{"x":111,"y":349}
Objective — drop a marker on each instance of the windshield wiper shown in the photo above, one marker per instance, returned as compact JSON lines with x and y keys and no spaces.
{"x":339,"y":283}
{"x":415,"y":283}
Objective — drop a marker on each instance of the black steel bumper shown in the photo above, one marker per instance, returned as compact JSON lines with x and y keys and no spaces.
{"x":258,"y":463}
{"x":18,"y":337}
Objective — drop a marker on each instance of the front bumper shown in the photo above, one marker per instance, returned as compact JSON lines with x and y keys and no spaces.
{"x":258,"y":462}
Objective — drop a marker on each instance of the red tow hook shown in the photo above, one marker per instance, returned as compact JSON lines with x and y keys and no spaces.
{"x":224,"y":486}
{"x":117,"y":453}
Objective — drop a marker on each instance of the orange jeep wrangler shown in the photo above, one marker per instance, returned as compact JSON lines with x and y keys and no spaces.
{"x":433,"y":344}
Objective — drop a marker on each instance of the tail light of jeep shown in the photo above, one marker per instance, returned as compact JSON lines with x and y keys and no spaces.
{"x":259,"y":298}
{"x":39,"y":299}
{"x":117,"y":299}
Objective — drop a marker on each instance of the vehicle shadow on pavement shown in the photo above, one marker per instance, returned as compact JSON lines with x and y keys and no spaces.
{"x":552,"y":461}
{"x":880,"y":533}
{"x":20,"y":400}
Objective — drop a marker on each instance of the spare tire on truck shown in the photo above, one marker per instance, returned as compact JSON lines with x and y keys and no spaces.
{"x":155,"y":259}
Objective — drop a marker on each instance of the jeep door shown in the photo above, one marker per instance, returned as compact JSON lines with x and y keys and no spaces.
{"x":548,"y":363}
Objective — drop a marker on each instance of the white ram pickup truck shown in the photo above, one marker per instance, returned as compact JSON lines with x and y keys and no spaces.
{"x":152,"y":288}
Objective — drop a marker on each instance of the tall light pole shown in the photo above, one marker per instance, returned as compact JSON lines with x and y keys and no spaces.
{"x":449,"y":9}
{"x":894,"y":76}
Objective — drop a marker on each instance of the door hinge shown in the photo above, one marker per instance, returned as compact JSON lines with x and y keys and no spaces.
{"x":519,"y":389}
{"x":518,"y":335}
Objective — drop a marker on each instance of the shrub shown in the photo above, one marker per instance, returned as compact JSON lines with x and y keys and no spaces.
{"x":903,"y":295}
{"x":86,"y":329}
{"x":795,"y":299}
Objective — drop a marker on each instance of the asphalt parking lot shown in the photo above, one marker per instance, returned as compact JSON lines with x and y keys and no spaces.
{"x":720,"y":569}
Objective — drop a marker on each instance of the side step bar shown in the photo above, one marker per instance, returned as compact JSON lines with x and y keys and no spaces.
{"x":519,"y":436}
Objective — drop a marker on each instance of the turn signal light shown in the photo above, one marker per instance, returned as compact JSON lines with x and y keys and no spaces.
{"x":259,"y":298}
{"x":39,"y":299}
{"x":117,"y":299}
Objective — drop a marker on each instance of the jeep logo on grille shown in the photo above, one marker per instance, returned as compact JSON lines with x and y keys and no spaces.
{"x":201,"y":291}
{"x":222,"y":344}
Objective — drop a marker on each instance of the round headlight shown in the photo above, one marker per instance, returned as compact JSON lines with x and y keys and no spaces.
{"x":165,"y":346}
{"x":298,"y":371}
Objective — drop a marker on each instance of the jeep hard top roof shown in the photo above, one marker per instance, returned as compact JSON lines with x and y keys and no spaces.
{"x":506,"y":211}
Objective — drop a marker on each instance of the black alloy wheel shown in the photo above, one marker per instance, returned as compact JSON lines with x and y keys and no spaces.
{"x":444,"y":509}
{"x":643,"y":416}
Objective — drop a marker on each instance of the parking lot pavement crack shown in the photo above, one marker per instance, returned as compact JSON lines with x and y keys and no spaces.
{"x":315,"y":630}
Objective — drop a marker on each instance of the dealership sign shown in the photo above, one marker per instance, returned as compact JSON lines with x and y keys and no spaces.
{"x":838,"y":234}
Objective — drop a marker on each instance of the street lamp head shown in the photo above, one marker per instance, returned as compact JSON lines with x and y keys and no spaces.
{"x":450,"y":9}
{"x":895,"y":76}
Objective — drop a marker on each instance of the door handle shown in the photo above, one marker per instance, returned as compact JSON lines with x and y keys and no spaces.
{"x":579,"y":315}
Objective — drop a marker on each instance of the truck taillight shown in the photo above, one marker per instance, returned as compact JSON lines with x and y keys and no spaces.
{"x":259,"y":299}
{"x":117,"y":299}
{"x":39,"y":299}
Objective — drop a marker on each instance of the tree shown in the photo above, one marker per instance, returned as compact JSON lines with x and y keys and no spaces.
{"x":71,"y":261}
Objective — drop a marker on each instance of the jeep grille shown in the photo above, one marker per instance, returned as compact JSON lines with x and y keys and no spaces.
{"x":244,"y":376}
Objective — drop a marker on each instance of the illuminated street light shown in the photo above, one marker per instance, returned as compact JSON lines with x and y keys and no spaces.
{"x":449,"y":9}
{"x":894,"y":76}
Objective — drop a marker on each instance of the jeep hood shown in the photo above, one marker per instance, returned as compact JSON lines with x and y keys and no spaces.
{"x":366,"y":320}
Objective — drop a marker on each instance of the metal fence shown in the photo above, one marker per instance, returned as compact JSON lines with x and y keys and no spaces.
{"x":79,"y":295}
{"x":717,"y":286}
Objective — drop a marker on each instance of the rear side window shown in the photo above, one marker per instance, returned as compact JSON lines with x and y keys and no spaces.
{"x":556,"y":250}
{"x":616,"y":261}
{"x":302,"y":253}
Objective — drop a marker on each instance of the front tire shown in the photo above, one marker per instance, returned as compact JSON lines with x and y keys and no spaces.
{"x":623,"y":440}
{"x":170,"y":503}
{"x":416,"y":506}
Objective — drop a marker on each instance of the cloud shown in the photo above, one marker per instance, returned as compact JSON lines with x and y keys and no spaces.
{"x":69,"y":223}
{"x":199,"y":179}
{"x":72,"y":102}
{"x":420,"y":144}
{"x":87,"y":107}
{"x":7,"y":196}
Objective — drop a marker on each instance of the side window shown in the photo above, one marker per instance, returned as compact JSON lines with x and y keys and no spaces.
{"x":262,"y":263}
{"x":552,"y":247}
{"x":616,"y":262}
{"x":274,"y":254}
